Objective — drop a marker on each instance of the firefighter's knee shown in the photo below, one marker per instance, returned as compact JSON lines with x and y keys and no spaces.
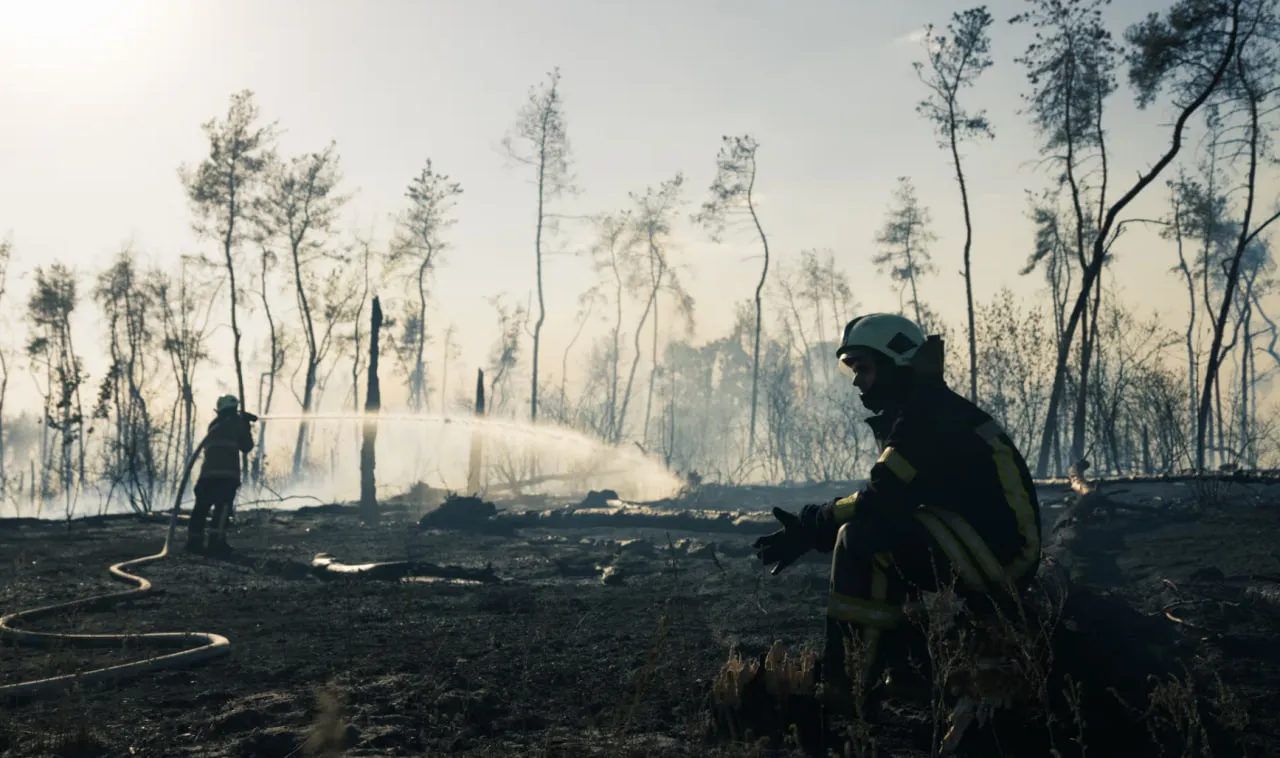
{"x":859,"y":591}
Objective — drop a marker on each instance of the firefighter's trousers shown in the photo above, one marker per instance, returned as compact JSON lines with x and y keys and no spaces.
{"x":880,"y":564}
{"x":215,"y":494}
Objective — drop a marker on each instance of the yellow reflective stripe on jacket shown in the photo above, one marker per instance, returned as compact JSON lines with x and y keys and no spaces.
{"x":869,"y":613}
{"x":1016,"y":497}
{"x":973,"y":541}
{"x":900,"y":466}
{"x":845,"y":507}
{"x":955,"y":551}
{"x":871,"y":634}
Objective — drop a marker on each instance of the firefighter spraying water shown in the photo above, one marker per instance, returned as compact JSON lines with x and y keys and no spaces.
{"x":230,"y":435}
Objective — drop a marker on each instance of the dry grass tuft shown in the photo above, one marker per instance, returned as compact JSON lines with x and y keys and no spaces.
{"x":787,"y":675}
{"x":770,"y":696}
{"x":985,"y":662}
{"x":732,"y":681}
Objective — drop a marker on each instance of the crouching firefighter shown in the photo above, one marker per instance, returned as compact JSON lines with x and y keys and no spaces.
{"x":950,"y":497}
{"x":230,"y":434}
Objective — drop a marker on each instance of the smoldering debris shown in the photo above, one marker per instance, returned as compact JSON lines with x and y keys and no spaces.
{"x":599,"y":499}
{"x":463,"y":512}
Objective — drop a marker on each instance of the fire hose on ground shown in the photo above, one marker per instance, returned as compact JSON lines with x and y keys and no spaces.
{"x":209,"y":645}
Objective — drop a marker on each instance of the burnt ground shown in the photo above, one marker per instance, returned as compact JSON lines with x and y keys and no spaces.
{"x":552,"y":660}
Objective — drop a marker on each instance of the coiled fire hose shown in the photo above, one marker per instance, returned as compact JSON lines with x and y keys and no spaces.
{"x":210,"y":645}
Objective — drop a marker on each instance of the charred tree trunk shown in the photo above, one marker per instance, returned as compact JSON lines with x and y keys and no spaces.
{"x":373,"y":401}
{"x":477,"y":442}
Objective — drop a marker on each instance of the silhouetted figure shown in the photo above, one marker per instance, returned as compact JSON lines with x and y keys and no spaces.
{"x":230,"y":434}
{"x":949,"y":495}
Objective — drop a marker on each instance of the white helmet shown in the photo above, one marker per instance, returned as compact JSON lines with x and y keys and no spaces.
{"x":896,"y":337}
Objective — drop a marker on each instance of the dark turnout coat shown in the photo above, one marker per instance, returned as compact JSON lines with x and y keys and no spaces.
{"x":229,"y":435}
{"x":940,"y":450}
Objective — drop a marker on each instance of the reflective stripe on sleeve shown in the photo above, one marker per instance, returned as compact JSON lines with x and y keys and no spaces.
{"x":845,"y":508}
{"x":900,"y":466}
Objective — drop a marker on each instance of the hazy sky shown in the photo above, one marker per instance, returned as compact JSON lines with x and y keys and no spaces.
{"x":101,"y":101}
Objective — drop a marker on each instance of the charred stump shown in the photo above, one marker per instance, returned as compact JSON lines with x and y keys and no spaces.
{"x":477,"y":447}
{"x":372,"y":403}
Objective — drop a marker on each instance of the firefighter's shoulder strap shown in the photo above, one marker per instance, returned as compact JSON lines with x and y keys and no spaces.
{"x":930,"y":358}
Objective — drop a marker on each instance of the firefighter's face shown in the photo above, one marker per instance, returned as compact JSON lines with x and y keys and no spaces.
{"x":862,"y":367}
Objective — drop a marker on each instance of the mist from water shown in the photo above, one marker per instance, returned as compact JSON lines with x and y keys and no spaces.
{"x":412,"y":448}
{"x":436,"y":450}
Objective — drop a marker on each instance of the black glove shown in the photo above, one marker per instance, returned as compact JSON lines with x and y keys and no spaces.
{"x":786,"y":546}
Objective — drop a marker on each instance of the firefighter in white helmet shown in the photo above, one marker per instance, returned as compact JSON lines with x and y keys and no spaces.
{"x":949,"y":496}
{"x":230,"y":434}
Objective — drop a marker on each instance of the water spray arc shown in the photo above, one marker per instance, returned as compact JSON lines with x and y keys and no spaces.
{"x":210,"y":645}
{"x":467,"y":450}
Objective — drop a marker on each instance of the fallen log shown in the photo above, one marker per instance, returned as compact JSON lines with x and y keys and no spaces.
{"x":473,"y":514}
{"x":1238,"y":476}
{"x":325,"y":566}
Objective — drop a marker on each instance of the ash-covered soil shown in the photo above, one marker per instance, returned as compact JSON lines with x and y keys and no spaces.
{"x":554,"y":658}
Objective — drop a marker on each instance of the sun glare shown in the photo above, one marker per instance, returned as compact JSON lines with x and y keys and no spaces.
{"x":35,"y":29}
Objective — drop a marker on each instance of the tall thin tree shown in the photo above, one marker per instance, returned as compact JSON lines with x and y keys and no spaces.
{"x":904,"y":245}
{"x":417,"y":246}
{"x":733,"y":192}
{"x":301,"y":205}
{"x":1190,"y":49}
{"x":956,"y":61}
{"x":540,"y":141}
{"x":1253,"y":84}
{"x":221,"y":190}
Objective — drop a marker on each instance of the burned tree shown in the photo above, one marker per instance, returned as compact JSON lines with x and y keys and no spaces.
{"x":956,"y":61}
{"x":614,"y":259}
{"x":300,"y":206}
{"x":1191,"y":49}
{"x":221,"y":190}
{"x":1073,"y":65}
{"x":366,"y":260}
{"x":476,"y":460}
{"x":506,"y":351}
{"x":129,"y":310}
{"x":904,"y":246}
{"x":418,"y":246}
{"x":652,"y":227}
{"x":372,"y":404}
{"x":52,"y":354}
{"x":733,"y":192}
{"x":184,"y":309}
{"x":277,"y":353}
{"x":1252,"y":84}
{"x":539,"y":140}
